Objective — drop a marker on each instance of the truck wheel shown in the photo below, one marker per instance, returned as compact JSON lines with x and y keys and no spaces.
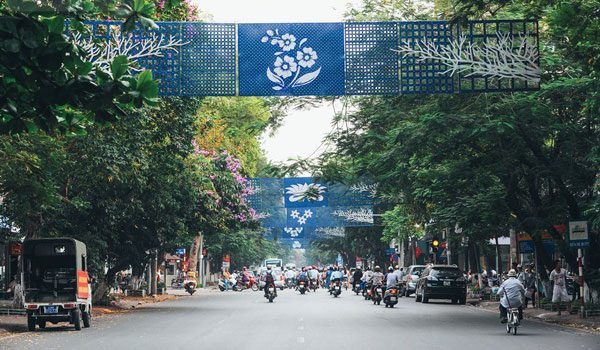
{"x":462,"y":301}
{"x":76,"y":317}
{"x":30,"y":323}
{"x":87,"y":319}
{"x":42,"y":324}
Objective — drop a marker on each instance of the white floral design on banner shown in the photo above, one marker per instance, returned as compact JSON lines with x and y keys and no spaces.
{"x":306,"y":192}
{"x":287,"y":68}
{"x":293,"y":231}
{"x":301,"y":218}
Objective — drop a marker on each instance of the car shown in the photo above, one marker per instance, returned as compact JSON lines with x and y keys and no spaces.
{"x":278,"y":275}
{"x":410,"y":278}
{"x":441,"y":282}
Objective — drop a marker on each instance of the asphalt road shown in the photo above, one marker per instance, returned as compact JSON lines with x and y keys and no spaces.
{"x":232,"y":320}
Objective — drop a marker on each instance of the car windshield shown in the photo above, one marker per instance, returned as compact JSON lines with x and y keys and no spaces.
{"x":446,"y":273}
{"x":417,"y":269}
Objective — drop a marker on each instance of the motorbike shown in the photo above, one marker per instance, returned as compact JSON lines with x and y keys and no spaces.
{"x":356,"y":289}
{"x":302,"y":287}
{"x":377,"y":294}
{"x":391,"y":295}
{"x":513,"y":321}
{"x":190,"y":286}
{"x":335,"y":289}
{"x":289,"y":282}
{"x":177,"y":283}
{"x":367,"y":292}
{"x":271,"y":293}
{"x":313,"y":284}
{"x":240,"y":285}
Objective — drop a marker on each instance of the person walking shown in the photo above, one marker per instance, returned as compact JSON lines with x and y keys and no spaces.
{"x":527,"y":279}
{"x":558,"y":277}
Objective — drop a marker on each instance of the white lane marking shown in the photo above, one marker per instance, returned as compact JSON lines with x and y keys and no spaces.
{"x":300,"y":340}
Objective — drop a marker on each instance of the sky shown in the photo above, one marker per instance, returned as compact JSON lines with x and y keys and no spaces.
{"x":302,"y":131}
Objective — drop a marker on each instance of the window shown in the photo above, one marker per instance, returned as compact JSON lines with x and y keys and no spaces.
{"x":83,"y":267}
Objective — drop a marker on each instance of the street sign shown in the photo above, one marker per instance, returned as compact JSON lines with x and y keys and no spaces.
{"x":578,"y":234}
{"x":526,"y":247}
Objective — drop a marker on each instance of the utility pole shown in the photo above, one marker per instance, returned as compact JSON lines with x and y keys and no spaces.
{"x":154,"y":264}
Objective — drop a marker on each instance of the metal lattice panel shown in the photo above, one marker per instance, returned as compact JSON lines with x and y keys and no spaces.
{"x":167,"y":69}
{"x":334,"y":58}
{"x":486,"y":33}
{"x":208,"y":62}
{"x":424,"y":77}
{"x":371,"y":64}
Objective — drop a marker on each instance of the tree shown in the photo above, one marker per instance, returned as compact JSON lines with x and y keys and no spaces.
{"x":48,"y":84}
{"x":488,"y":162}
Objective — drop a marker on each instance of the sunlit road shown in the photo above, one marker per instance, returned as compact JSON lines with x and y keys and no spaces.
{"x":246,"y":320}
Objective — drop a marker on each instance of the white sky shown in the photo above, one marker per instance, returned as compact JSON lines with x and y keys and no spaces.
{"x":302,"y":131}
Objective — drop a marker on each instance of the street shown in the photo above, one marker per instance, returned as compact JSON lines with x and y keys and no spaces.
{"x":231,"y":320}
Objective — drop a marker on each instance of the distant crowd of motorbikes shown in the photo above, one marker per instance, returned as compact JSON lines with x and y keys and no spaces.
{"x":372,"y":285}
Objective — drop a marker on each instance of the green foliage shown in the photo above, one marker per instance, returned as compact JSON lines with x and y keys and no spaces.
{"x":48,"y":85}
{"x":488,"y":162}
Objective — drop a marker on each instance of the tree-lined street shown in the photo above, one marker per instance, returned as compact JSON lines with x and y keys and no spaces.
{"x":215,"y":320}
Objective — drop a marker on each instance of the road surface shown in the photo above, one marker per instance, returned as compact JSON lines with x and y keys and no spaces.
{"x":232,"y":320}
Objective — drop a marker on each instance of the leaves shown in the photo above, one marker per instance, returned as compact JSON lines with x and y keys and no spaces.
{"x":275,"y":78}
{"x":307,"y":78}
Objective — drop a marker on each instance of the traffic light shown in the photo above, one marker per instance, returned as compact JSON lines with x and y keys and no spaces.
{"x":435,"y":243}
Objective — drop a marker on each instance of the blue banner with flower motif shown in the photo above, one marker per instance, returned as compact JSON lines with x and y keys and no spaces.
{"x":325,"y":59}
{"x":296,"y":210}
{"x":291,"y":59}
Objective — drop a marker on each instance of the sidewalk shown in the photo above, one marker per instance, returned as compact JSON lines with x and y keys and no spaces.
{"x":590,"y":323}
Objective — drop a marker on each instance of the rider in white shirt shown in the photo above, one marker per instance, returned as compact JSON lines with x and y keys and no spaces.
{"x":512,"y":293}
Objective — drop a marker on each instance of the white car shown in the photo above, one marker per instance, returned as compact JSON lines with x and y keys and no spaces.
{"x":411,"y":277}
{"x":277,"y":274}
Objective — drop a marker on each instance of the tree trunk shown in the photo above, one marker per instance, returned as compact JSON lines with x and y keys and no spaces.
{"x":100,"y":293}
{"x":193,"y":257}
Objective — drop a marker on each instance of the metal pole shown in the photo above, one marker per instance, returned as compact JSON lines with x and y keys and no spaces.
{"x":581,"y":298}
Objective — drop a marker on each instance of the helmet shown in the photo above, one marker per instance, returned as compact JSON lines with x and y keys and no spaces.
{"x":512,"y":273}
{"x":377,"y":268}
{"x":390,"y":269}
{"x":269,"y":267}
{"x":397,"y":267}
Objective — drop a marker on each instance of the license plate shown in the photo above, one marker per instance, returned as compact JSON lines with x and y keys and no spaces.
{"x":51,"y":309}
{"x":272,"y":290}
{"x":446,"y":283}
{"x":393,"y":299}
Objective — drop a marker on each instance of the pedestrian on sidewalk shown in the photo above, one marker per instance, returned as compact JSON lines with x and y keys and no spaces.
{"x":528,"y":280}
{"x":558,"y":277}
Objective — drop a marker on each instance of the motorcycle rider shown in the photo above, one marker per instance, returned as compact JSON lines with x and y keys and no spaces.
{"x":376,"y":279}
{"x":356,"y":277}
{"x":512,"y":292}
{"x":269,"y":278}
{"x":391,"y":278}
{"x":290,"y":275}
{"x":313,"y":275}
{"x":366,"y":278}
{"x":303,"y":276}
{"x":336,"y":275}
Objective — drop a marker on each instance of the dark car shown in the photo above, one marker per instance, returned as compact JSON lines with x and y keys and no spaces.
{"x":442,"y":282}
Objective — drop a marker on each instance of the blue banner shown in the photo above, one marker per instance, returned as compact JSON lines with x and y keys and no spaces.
{"x":291,"y":59}
{"x":325,"y":59}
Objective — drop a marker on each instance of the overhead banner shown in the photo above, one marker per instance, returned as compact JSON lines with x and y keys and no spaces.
{"x":325,"y":59}
{"x":296,"y":210}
